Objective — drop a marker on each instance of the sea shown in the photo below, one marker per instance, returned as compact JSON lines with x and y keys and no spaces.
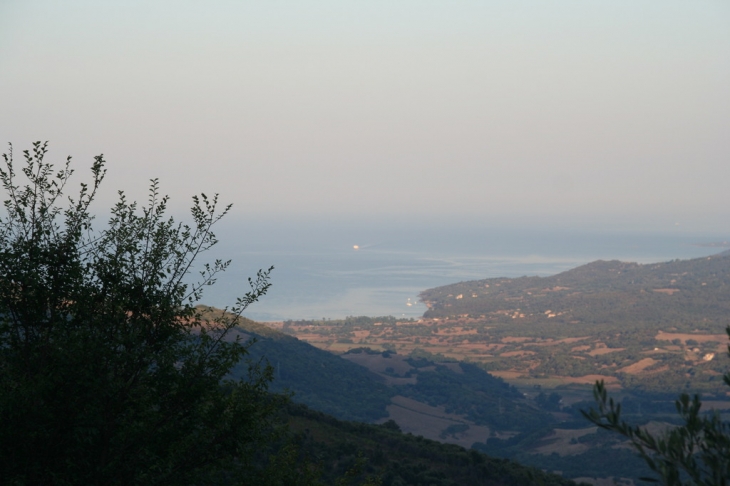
{"x":333,"y":270}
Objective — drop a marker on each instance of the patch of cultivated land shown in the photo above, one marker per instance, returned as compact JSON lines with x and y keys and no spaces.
{"x":597,"y":351}
{"x":517,"y":352}
{"x":684,"y":337}
{"x":510,"y":354}
{"x":715,"y":405}
{"x":564,"y":442}
{"x":413,"y":416}
{"x":606,"y":481}
{"x":433,"y":422}
{"x":385,"y":367}
{"x":639,"y":366}
{"x":590,"y":379}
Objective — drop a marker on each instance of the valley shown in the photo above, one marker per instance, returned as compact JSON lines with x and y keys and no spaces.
{"x":649,"y":332}
{"x":506,"y":366}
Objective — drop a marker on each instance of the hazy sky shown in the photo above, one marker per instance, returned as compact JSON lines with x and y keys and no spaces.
{"x":485,"y":109}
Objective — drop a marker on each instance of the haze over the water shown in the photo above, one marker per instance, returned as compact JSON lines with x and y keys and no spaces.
{"x":608,"y":112}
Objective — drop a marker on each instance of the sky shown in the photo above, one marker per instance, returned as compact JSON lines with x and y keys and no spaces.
{"x":610,"y":112}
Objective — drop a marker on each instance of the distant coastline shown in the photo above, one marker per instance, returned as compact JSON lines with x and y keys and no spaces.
{"x":717,"y":244}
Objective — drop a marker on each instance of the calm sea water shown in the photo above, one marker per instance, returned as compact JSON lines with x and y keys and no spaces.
{"x":319,"y":274}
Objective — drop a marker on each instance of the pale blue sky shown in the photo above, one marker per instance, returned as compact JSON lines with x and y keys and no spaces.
{"x":526,"y":110}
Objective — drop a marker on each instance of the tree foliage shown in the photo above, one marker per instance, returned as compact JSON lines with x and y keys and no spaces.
{"x":694,"y":453}
{"x":107,"y":373}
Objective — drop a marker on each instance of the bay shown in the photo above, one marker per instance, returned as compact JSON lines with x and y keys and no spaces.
{"x":332,"y":271}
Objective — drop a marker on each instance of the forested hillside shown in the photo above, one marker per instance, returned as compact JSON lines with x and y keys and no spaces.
{"x":316,"y":378}
{"x":689,"y":294}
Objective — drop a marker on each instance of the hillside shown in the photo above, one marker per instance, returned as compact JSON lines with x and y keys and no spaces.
{"x":404,"y":459}
{"x":370,"y":386}
{"x":318,"y":379}
{"x":448,"y":399}
{"x":691,"y":294}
